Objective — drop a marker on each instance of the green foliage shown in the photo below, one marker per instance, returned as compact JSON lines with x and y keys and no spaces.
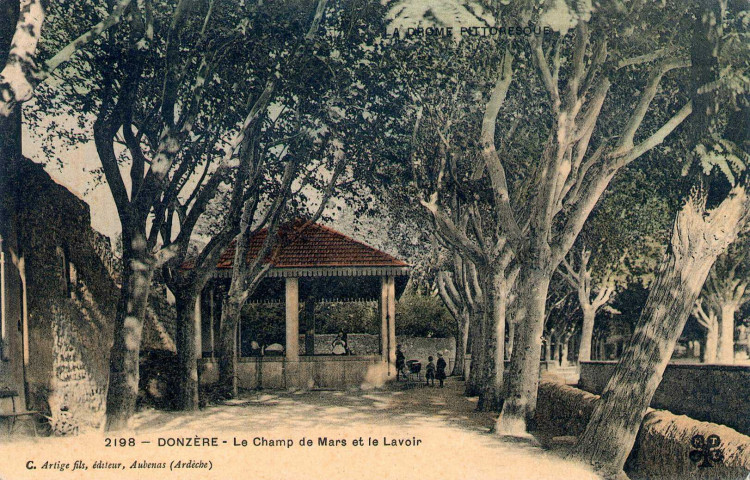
{"x":629,"y":302}
{"x":263,"y":323}
{"x":423,"y":316}
{"x":354,"y":317}
{"x":723,"y":155}
{"x":416,"y":315}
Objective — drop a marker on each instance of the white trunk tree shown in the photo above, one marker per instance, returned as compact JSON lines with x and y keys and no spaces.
{"x":458,"y":290}
{"x":726,"y":291}
{"x":710,"y":322}
{"x":580,"y":279}
{"x":698,"y":238}
{"x":20,"y":75}
{"x":568,"y":182}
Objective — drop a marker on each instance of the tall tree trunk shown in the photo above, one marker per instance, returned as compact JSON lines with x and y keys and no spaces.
{"x":476,"y":368}
{"x":523,"y":374}
{"x":711,"y":345}
{"x":565,"y":350}
{"x":230,"y":315}
{"x":587,"y":332}
{"x":726,"y":335}
{"x":495,"y":295}
{"x":187,"y":354}
{"x":547,"y":348}
{"x":462,"y":338}
{"x":131,"y":310}
{"x":511,"y":334}
{"x":697,"y":240}
{"x":556,"y":342}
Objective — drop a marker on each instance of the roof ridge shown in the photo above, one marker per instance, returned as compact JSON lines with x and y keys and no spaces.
{"x":316,"y":246}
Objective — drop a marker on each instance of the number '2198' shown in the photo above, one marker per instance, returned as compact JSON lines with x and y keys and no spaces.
{"x":119,"y":442}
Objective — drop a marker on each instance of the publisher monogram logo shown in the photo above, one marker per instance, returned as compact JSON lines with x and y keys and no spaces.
{"x":706,"y":450}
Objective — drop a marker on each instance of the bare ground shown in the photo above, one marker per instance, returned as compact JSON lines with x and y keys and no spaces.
{"x":454,"y":440}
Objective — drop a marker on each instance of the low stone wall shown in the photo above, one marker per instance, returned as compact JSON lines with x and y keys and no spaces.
{"x":364,"y":368}
{"x":712,"y":393}
{"x":329,"y":372}
{"x":662,"y":448}
{"x":544,"y":366}
{"x":414,"y":348}
{"x":419,"y":348}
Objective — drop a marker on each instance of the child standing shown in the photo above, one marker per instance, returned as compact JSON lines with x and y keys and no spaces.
{"x":440,"y":374}
{"x":430,"y":372}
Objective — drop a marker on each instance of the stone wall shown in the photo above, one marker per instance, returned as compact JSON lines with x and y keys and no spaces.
{"x":414,"y":348}
{"x":160,"y":324}
{"x":319,"y":372}
{"x":71,"y":300}
{"x":712,"y":393}
{"x":662,"y":448}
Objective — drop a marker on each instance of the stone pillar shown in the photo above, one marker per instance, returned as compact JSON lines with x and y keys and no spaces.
{"x":212,"y":318}
{"x":291,"y":364}
{"x":391,"y":303}
{"x":310,"y":326}
{"x":292,"y":318}
{"x":383,"y":311}
{"x":197,"y":318}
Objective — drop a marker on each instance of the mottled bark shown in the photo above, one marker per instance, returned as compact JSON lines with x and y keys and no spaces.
{"x":724,"y":293}
{"x":511,"y":333}
{"x":476,"y":330}
{"x":523,"y":373}
{"x":707,"y":319}
{"x":465,"y":346}
{"x":138,"y":269}
{"x":459,"y":307}
{"x":227,"y":348}
{"x":581,"y":280}
{"x":697,"y":240}
{"x":725,"y":352}
{"x":187,"y":355}
{"x":711,"y":345}
{"x":587,"y":333}
{"x":462,"y":339}
{"x":491,"y":389}
{"x":18,"y":62}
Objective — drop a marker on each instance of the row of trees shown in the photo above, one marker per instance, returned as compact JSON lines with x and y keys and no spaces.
{"x":563,"y":155}
{"x":210,"y":126}
{"x":516,"y":142}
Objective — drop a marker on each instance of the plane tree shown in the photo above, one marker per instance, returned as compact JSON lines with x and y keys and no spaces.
{"x":724,"y":293}
{"x":569,"y":88}
{"x":709,"y":221}
{"x":173,"y":99}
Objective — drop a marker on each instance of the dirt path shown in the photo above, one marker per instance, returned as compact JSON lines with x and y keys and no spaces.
{"x":436,"y":432}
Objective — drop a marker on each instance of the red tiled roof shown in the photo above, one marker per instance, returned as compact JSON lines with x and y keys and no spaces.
{"x":316,"y":246}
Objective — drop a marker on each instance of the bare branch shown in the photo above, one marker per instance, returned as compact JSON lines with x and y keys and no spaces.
{"x":646,"y":58}
{"x":489,"y":152}
{"x":541,"y":64}
{"x":634,"y":122}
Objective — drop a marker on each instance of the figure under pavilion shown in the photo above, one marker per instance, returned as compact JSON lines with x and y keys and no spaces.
{"x":311,"y":264}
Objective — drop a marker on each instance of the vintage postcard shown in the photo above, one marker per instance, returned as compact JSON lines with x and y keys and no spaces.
{"x":374,"y":239}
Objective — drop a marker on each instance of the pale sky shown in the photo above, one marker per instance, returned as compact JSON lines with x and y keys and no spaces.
{"x":76,"y":175}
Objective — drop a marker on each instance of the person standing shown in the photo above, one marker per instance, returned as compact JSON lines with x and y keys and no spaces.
{"x":400,"y":363}
{"x":430,"y":372}
{"x":440,"y":370}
